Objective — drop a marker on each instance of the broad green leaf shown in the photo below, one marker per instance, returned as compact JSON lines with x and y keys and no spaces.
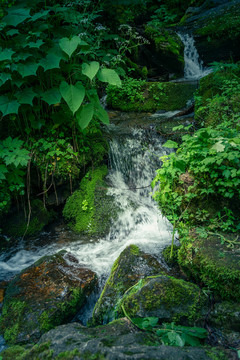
{"x":27,"y":69}
{"x":8,"y":106}
{"x":90,"y":70}
{"x":52,"y":96}
{"x":36,"y":44}
{"x":110,"y":76}
{"x":12,"y":32}
{"x":219,"y":147}
{"x":4,"y":77}
{"x":51,"y":61}
{"x":18,"y":82}
{"x":69,"y":45}
{"x":6,"y":54}
{"x":227,"y":173}
{"x":84,"y":115}
{"x":16,"y":16}
{"x":39,"y":15}
{"x":72,"y":94}
{"x":26,"y":96}
{"x":102,"y":115}
{"x":170,"y":144}
{"x":22,"y":56}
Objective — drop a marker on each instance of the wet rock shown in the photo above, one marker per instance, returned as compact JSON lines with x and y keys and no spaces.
{"x":169,"y":299}
{"x":131,"y":265}
{"x":46,"y":294}
{"x":117,"y":340}
{"x":212,"y":262}
{"x":90,"y":210}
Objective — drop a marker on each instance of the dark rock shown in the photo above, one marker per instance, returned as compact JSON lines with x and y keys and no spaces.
{"x":46,"y":294}
{"x":131,"y":265}
{"x":226,"y":316}
{"x":169,"y":299}
{"x":115,"y":341}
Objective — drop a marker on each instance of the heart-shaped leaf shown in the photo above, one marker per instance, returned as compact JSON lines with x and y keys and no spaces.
{"x":110,"y":76}
{"x":72,"y":94}
{"x":84,"y":115}
{"x":90,"y":70}
{"x":102,"y":115}
{"x":69,"y":45}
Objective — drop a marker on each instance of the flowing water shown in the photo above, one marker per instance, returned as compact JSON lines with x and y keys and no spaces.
{"x":134,"y":157}
{"x":193,"y":66}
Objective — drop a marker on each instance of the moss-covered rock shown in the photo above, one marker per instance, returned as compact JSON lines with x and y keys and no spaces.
{"x":117,"y":340}
{"x":212,"y":262}
{"x":169,"y":299}
{"x":46,"y":294}
{"x":131,"y":265}
{"x":16,"y":225}
{"x":90,"y":210}
{"x":168,"y":48}
{"x":149,"y":96}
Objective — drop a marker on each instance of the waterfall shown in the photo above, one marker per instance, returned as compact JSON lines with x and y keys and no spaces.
{"x":193,"y":66}
{"x":134,"y":157}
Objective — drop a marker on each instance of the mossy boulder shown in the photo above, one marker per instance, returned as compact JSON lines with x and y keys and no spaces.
{"x":90,"y":210}
{"x":169,"y":299}
{"x":212,"y":262}
{"x":132,"y":265}
{"x":117,"y":340}
{"x":46,"y":294}
{"x":150,"y":97}
{"x":217,"y":30}
{"x":167,"y":47}
{"x":16,"y":225}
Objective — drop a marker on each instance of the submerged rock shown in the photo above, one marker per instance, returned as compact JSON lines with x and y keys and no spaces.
{"x":46,"y":294}
{"x":212,"y":262}
{"x":132,"y":265}
{"x":90,"y":210}
{"x":117,"y":340}
{"x":169,"y":299}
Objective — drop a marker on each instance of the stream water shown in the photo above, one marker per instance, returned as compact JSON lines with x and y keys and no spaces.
{"x":134,"y":157}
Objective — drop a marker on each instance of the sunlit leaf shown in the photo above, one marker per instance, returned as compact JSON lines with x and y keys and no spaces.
{"x":72,"y":94}
{"x":84,"y":115}
{"x":110,"y":76}
{"x":90,"y":70}
{"x":170,"y":144}
{"x":69,"y":45}
{"x":219,"y":147}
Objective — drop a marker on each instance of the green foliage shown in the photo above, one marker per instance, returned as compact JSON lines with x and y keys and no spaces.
{"x":132,"y":90}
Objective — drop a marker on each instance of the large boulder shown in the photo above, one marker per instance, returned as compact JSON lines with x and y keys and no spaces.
{"x":48,"y":293}
{"x":90,"y":209}
{"x":216,"y":28}
{"x":117,"y":340}
{"x":131,"y":266}
{"x":168,"y":298}
{"x":214,"y":262}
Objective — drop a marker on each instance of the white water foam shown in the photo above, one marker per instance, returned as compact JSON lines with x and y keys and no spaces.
{"x":133,"y":162}
{"x":193,"y":69}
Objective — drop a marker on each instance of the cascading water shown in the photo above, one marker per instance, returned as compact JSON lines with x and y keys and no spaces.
{"x":133,"y":161}
{"x":193,"y":68}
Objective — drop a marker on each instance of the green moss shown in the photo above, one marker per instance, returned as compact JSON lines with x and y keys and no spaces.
{"x":13,"y":352}
{"x":167,"y":252}
{"x":90,"y":209}
{"x":213,"y":263}
{"x":134,"y":249}
{"x":68,"y":355}
{"x":216,"y":354}
{"x":151,"y":97}
{"x":163,"y":296}
{"x":10,"y":321}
